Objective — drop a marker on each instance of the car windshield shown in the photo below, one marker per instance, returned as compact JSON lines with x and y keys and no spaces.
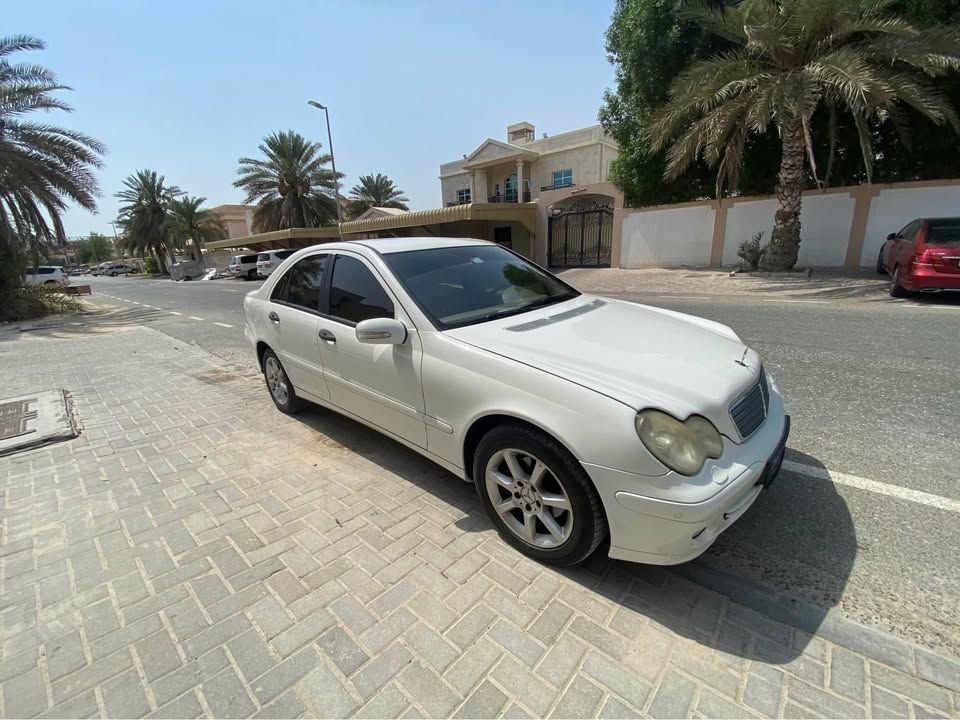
{"x":458,"y":286}
{"x":943,"y":232}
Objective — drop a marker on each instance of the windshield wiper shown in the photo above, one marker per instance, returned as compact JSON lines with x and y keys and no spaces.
{"x":506,"y":312}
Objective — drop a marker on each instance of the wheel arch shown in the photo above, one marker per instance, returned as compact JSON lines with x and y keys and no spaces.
{"x":262,"y":348}
{"x":485,"y":423}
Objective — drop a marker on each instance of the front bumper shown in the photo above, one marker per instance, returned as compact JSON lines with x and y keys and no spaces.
{"x":661,"y":532}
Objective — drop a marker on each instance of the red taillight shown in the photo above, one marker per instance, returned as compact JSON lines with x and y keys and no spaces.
{"x":928,"y":257}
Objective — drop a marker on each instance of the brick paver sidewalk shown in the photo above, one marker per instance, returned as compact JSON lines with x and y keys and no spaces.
{"x":194,"y":552}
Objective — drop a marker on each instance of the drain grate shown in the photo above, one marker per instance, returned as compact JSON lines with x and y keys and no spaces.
{"x":14,"y":417}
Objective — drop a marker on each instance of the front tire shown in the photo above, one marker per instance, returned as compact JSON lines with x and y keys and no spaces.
{"x":896,"y":289}
{"x":279,"y":385}
{"x":538,"y":496}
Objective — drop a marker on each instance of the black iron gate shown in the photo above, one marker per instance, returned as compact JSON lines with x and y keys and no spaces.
{"x":581,"y":235}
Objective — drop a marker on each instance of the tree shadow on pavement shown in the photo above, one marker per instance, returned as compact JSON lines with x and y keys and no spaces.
{"x":798,"y":534}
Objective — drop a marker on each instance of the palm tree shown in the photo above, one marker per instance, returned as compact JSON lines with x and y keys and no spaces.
{"x":376,"y":191}
{"x":789,"y":58}
{"x":188,"y":221}
{"x":42,"y":167}
{"x":290,"y":185}
{"x":144,"y":216}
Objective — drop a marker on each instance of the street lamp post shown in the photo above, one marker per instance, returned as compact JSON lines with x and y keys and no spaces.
{"x":333,"y":163}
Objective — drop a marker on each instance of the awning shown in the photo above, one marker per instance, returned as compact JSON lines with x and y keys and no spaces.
{"x":279,"y":239}
{"x":523,"y":213}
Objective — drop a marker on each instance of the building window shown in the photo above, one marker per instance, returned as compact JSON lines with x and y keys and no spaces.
{"x":562,"y":178}
{"x":463,"y":196}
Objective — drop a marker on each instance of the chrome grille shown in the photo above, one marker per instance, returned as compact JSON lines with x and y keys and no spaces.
{"x":749,"y":412}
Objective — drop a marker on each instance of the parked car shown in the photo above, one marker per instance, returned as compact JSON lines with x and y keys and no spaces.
{"x":76,"y":272}
{"x":923,"y":257}
{"x":268,"y":261}
{"x":46,"y":275}
{"x":244,"y":266}
{"x":575,"y":416}
{"x":117,"y":269}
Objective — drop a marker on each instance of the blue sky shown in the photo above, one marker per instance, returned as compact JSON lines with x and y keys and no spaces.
{"x":187,"y":87}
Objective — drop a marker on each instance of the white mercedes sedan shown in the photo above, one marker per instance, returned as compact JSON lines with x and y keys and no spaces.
{"x":576,"y":417}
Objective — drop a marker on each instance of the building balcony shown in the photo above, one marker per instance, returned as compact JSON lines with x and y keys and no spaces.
{"x":509,"y":197}
{"x":556,"y":186}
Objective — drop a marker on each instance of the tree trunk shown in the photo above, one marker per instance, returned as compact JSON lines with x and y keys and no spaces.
{"x":196,"y":244}
{"x":781,"y":253}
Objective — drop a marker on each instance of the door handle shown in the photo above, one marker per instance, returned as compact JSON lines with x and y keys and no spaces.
{"x":327,"y":336}
{"x":274,"y":318}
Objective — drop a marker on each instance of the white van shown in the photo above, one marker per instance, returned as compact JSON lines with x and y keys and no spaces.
{"x":243,"y":266}
{"x":268,"y":261}
{"x":47,"y":275}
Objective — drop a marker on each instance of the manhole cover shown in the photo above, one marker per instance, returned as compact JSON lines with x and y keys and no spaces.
{"x":30,"y":420}
{"x":14,"y":417}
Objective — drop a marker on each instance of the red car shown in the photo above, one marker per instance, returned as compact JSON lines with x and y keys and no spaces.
{"x":923,"y":257}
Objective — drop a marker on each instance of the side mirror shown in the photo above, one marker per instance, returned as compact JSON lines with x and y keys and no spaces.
{"x":381,"y":331}
{"x":892,"y":236}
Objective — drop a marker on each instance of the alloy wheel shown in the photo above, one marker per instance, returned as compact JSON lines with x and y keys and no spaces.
{"x":276,"y":381}
{"x":529,"y":498}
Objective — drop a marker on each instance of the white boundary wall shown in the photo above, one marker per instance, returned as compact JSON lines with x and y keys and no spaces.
{"x":664,"y":238}
{"x":710,"y":232}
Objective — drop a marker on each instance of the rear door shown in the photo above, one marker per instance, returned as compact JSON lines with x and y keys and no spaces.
{"x":379,"y":383}
{"x":902,"y":248}
{"x":290,"y":324}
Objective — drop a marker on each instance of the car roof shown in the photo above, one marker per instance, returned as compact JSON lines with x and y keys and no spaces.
{"x":407,"y":244}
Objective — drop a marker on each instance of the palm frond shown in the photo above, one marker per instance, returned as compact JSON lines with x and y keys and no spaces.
{"x":725,"y":22}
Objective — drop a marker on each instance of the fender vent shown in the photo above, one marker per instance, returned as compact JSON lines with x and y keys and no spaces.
{"x":565,"y":315}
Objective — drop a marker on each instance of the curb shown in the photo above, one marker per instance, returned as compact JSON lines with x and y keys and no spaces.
{"x":875,"y":644}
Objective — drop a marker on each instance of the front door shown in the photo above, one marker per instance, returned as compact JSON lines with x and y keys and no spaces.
{"x":379,"y":383}
{"x":291,"y":324}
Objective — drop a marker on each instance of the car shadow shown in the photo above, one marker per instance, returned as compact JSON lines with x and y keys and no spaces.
{"x":781,"y":567}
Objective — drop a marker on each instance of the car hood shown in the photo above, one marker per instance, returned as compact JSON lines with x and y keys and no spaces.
{"x":639,"y":355}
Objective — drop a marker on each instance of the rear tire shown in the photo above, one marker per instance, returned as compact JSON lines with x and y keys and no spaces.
{"x":279,"y":385}
{"x":896,"y":289}
{"x":252,"y":275}
{"x":548,"y":507}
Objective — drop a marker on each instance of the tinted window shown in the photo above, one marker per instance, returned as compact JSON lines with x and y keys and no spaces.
{"x":462,"y":285}
{"x":248,"y":258}
{"x":284,"y":254}
{"x":263,"y":256}
{"x":47,"y":271}
{"x":301,"y":284}
{"x":355,"y":294}
{"x":910,"y":231}
{"x":943,"y":232}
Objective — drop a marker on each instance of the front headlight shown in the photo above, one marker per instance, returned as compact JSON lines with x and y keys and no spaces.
{"x":682,"y":446}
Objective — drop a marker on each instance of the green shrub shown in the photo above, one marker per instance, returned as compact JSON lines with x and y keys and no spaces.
{"x":29,"y":303}
{"x":149,"y":265}
{"x":751,"y":252}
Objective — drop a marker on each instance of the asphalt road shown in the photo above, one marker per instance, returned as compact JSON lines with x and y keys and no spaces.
{"x":865,"y":517}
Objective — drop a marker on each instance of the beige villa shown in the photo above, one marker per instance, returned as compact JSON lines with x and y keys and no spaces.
{"x":546,"y":198}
